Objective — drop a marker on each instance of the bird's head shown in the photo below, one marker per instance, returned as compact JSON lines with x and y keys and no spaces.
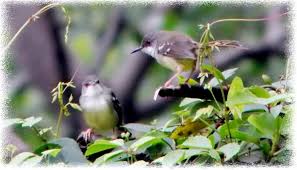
{"x":148,"y":44}
{"x":91,"y":86}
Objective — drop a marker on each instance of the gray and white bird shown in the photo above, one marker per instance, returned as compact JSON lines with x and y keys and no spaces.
{"x":101,"y":109}
{"x":171,"y":49}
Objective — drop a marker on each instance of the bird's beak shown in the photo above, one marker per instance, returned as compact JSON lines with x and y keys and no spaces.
{"x":136,"y":50}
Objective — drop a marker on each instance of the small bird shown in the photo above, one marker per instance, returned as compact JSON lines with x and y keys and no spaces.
{"x":101,"y":109}
{"x":171,"y":49}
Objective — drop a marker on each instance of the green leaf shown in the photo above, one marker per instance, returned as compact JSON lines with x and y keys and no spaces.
{"x":45,"y":147}
{"x":197,"y":142}
{"x":206,"y":110}
{"x":32,"y":161}
{"x":227,"y":73}
{"x":245,"y":136}
{"x":235,"y":97}
{"x":54,"y":97}
{"x":31,"y":121}
{"x":112,"y":156}
{"x":20,"y":158}
{"x":144,"y":143}
{"x":264,"y":122}
{"x":275,"y":111}
{"x":70,"y":152}
{"x":173,"y":158}
{"x":235,"y":87}
{"x":211,"y":36}
{"x":259,"y":91}
{"x":273,"y":99}
{"x":45,"y":130}
{"x":214,"y":71}
{"x":102,"y":145}
{"x":158,"y":160}
{"x":70,"y":98}
{"x":229,"y":150}
{"x":233,"y":124}
{"x":184,"y":112}
{"x":193,"y":152}
{"x":51,"y":152}
{"x":214,"y":154}
{"x":138,"y":127}
{"x":75,"y":106}
{"x":187,"y":101}
{"x":266,"y":79}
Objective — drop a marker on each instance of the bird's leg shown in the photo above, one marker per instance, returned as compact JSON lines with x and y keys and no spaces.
{"x":179,"y":71}
{"x":86,"y":135}
{"x":114,"y":134}
{"x":191,"y":74}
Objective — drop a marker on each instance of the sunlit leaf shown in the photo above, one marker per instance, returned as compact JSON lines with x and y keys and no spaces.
{"x":214,"y":154}
{"x":75,"y":106}
{"x":45,"y":130}
{"x":9,"y":122}
{"x":70,"y":98}
{"x":214,"y":71}
{"x":32,"y":161}
{"x":187,"y":101}
{"x":20,"y":158}
{"x":54,"y":98}
{"x":112,"y":156}
{"x":266,"y":79}
{"x":259,"y":91}
{"x":102,"y":145}
{"x":202,"y":111}
{"x":173,"y":158}
{"x":227,"y":73}
{"x":197,"y":142}
{"x":275,"y":111}
{"x":264,"y":122}
{"x":138,"y":127}
{"x":31,"y":121}
{"x":70,"y":152}
{"x":144,"y":143}
{"x":229,"y":150}
{"x":51,"y":152}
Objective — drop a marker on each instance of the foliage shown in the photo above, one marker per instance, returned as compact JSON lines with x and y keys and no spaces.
{"x":251,"y":121}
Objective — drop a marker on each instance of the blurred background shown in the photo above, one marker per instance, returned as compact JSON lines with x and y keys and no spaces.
{"x":101,"y":37}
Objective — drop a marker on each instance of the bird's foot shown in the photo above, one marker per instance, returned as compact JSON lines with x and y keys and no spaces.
{"x":168,"y":84}
{"x":85,"y":137}
{"x":187,"y":83}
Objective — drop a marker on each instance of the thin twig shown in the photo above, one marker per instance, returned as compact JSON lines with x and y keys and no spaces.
{"x":29,"y":20}
{"x":248,"y":19}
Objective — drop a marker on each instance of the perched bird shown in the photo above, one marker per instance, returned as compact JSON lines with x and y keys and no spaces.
{"x":101,"y":109}
{"x":171,"y":49}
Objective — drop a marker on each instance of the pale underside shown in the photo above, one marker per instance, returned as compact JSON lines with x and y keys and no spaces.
{"x":174,"y":64}
{"x":98,"y":113}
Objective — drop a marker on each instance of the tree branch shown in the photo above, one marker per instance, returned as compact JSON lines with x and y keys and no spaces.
{"x":114,"y":28}
{"x":193,"y":92}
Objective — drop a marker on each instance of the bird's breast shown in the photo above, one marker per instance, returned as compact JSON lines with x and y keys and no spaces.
{"x":167,"y":62}
{"x":98,"y":113}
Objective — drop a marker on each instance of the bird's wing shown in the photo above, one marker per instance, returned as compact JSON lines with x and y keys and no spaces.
{"x":117,"y":107}
{"x":179,"y":48}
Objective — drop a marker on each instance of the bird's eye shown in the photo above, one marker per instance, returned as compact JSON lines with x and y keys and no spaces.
{"x":97,"y":82}
{"x":86,"y":84}
{"x":146,"y":43}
